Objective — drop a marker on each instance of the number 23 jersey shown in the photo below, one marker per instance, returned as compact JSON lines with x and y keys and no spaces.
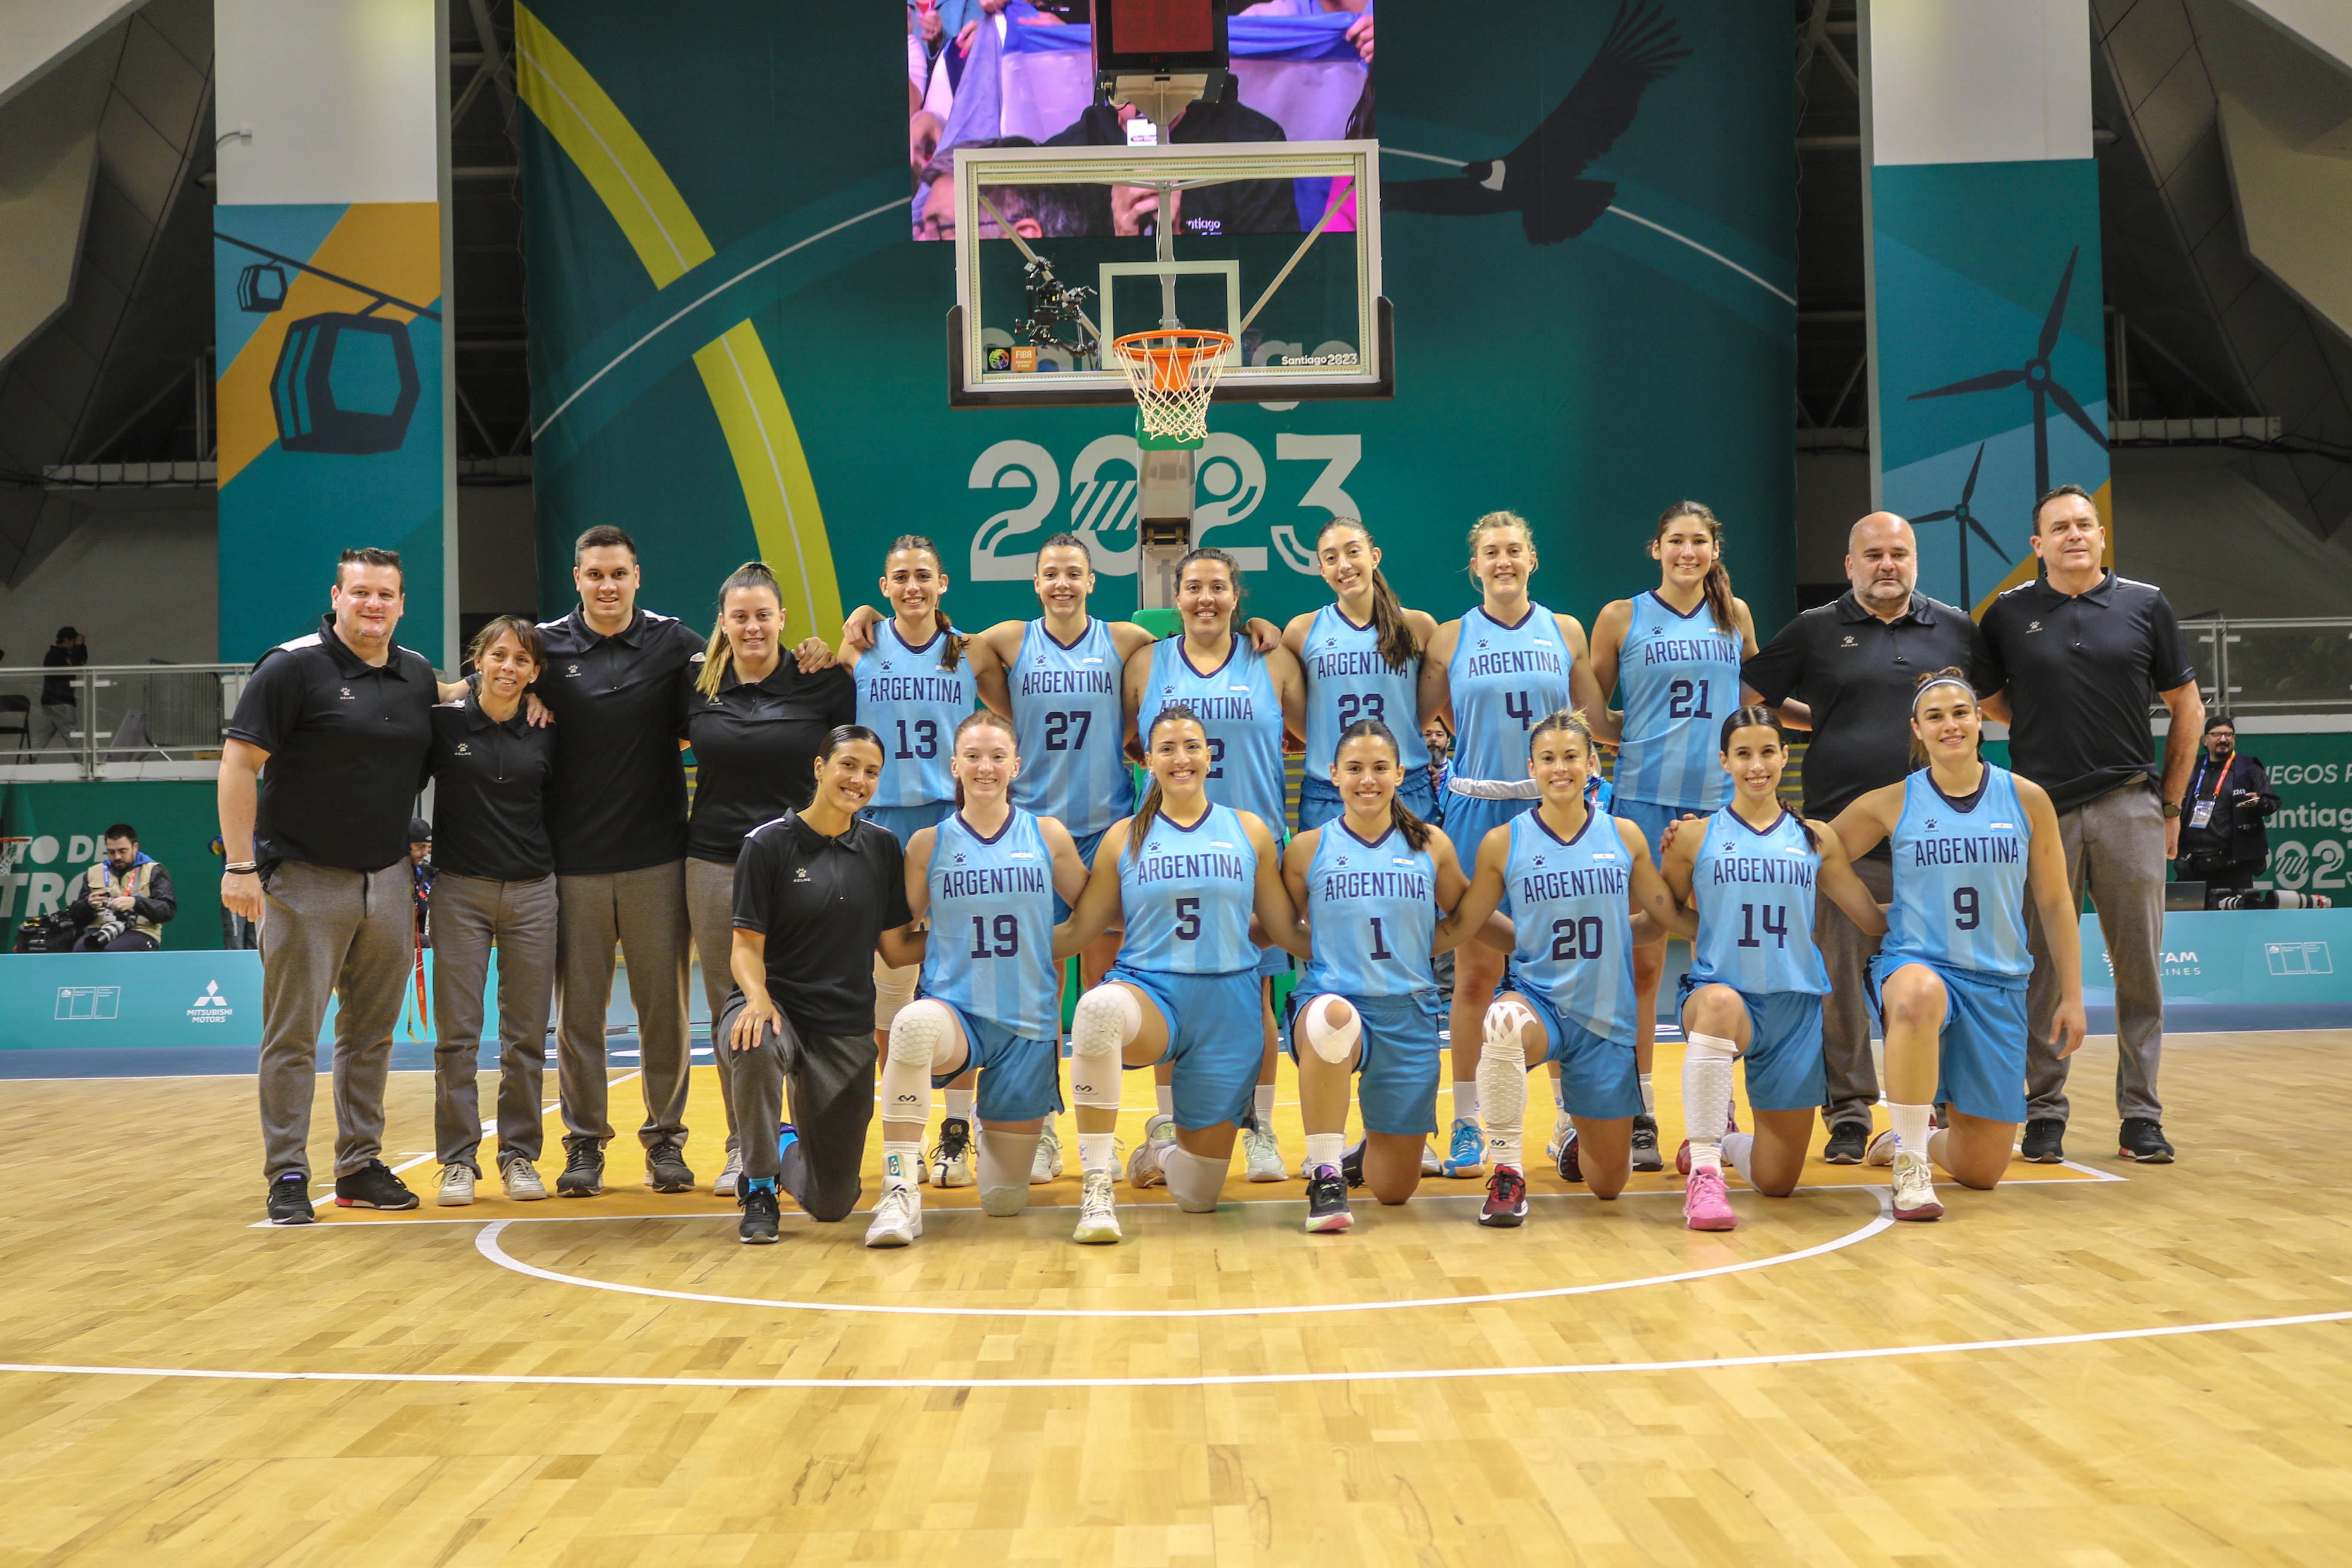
{"x":1754,"y":888}
{"x":1572,"y":907}
{"x":1959,"y":877}
{"x":1187,"y":897}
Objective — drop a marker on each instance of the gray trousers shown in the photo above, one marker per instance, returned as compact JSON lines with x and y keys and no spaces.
{"x":710,"y":913}
{"x":1846,"y":953}
{"x":352,"y":934}
{"x":57,"y":721}
{"x":833,"y":1104}
{"x":644,"y":912}
{"x":470,"y":914}
{"x":2115,"y":850}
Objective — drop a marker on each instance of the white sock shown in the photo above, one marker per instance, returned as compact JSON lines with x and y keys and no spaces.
{"x":1736,"y":1148}
{"x":898,"y":1164}
{"x":1559,"y":1091}
{"x":1503,"y":1087}
{"x":1707,"y":1096}
{"x":1096,"y":1151}
{"x":1326,"y":1149}
{"x":1167,"y":1093}
{"x":1262,"y":1104}
{"x":1910,"y":1126}
{"x":959,"y":1102}
{"x":1649,"y":1098}
{"x":1465,"y":1098}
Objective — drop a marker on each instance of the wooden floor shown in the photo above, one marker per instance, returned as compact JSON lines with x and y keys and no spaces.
{"x":2073,"y":1370}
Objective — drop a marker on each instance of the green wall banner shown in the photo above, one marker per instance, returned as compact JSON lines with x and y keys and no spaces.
{"x":177,"y":824}
{"x":2311,"y":832}
{"x":738,"y":347}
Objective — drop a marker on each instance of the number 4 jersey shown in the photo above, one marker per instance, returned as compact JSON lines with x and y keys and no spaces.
{"x":1754,"y":889}
{"x":991,"y":950}
{"x":1959,"y":877}
{"x":1572,"y":907}
{"x":906,"y":698}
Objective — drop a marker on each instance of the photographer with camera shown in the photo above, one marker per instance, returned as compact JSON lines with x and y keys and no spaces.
{"x":125,"y":898}
{"x":2223,"y":840}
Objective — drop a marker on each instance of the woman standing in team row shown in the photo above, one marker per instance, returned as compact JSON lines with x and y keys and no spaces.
{"x":755,"y":721}
{"x":1750,"y":872}
{"x":1680,"y":673}
{"x":1361,"y":657}
{"x":1370,"y":883}
{"x":1243,"y":700}
{"x":1573,"y":877}
{"x":990,"y":876}
{"x":1186,"y":875}
{"x":1498,"y":669}
{"x":1970,"y":840}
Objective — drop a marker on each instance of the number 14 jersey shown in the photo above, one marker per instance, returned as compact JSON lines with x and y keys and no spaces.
{"x":1754,"y":889}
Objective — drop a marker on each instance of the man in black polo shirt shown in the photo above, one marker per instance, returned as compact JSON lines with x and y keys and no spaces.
{"x":318,"y":853}
{"x":1847,"y":671}
{"x":2075,"y":657}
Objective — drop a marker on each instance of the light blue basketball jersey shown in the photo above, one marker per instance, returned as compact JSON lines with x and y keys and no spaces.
{"x":1959,"y":877}
{"x":906,"y":698}
{"x":1187,"y":898}
{"x":1754,"y":897}
{"x":1347,"y":679}
{"x":1067,"y":712}
{"x":1238,"y":708}
{"x":1374,"y":910}
{"x":1681,"y":676}
{"x":1570,"y":907}
{"x":1503,"y":680}
{"x":991,"y":951}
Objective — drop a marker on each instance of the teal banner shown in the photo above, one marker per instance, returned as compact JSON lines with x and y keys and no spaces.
{"x":178,"y":824}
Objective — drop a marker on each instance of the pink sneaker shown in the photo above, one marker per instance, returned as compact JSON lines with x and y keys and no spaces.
{"x":1706,"y":1205}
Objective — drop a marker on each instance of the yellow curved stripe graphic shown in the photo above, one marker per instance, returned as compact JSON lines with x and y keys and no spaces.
{"x":753,"y":416}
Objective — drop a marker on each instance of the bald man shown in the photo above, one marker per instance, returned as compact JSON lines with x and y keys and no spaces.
{"x":1846,"y":671}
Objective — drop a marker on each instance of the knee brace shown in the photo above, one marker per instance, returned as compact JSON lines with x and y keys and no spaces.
{"x":1004,"y":1162}
{"x":893,"y":989}
{"x":918,"y":1036}
{"x":1107,"y":1018}
{"x":1333,"y":1043}
{"x":1505,"y":1030}
{"x":1194,"y":1180}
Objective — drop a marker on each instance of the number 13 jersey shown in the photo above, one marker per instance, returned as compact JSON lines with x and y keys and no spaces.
{"x":906,"y":698}
{"x":1959,"y":877}
{"x":1187,"y":897}
{"x":1754,"y":889}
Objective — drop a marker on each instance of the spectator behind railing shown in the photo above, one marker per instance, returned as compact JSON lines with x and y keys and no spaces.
{"x":58,"y":709}
{"x":125,"y":898}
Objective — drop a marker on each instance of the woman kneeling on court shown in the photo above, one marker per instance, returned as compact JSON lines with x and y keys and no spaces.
{"x":817,"y":893}
{"x":991,"y":993}
{"x":1186,"y":876}
{"x":1970,"y":840}
{"x":1574,"y":877}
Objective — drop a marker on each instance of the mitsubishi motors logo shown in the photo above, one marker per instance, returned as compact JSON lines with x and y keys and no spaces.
{"x":212,"y":1007}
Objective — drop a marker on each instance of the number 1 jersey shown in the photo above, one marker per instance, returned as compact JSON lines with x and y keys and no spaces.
{"x":1373,"y":913}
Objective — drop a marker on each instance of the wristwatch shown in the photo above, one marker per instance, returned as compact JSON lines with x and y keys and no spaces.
{"x":2171,"y":810}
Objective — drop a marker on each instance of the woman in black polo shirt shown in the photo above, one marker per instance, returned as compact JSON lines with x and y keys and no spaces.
{"x":495,"y":885}
{"x":755,"y":721}
{"x":818,"y":892}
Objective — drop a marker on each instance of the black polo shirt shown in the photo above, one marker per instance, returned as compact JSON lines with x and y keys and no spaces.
{"x":617,"y":802}
{"x":490,"y":793}
{"x":755,"y":746}
{"x":2081,"y":670}
{"x":347,"y":743}
{"x":821,"y":902}
{"x":1858,"y":675}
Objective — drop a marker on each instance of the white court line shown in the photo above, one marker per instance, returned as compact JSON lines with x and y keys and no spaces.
{"x":488,"y":1245}
{"x":1238,"y":1380}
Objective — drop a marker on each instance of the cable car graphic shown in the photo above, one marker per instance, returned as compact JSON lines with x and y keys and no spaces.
{"x":345,"y":382}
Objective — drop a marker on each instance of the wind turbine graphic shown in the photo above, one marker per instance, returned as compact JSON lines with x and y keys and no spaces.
{"x":1968,"y":524}
{"x":2038,"y":380}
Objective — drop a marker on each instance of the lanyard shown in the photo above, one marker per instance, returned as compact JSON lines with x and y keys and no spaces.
{"x":2221,"y":775}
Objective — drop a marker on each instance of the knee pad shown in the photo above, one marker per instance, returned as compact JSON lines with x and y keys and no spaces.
{"x":1004,"y":1162}
{"x":1194,"y":1180}
{"x":893,"y":989}
{"x":1333,"y":1044}
{"x":1505,"y":1028}
{"x":919,"y":1032}
{"x":1106,"y":1019}
{"x":1711,"y":1046}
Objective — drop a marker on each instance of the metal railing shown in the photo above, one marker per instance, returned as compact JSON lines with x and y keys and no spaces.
{"x":126,"y":720}
{"x":2275,"y":665}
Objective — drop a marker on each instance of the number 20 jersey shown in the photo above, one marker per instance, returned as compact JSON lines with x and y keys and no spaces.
{"x":1959,"y":877}
{"x":1066,"y":718}
{"x":991,"y":950}
{"x":1187,"y":897}
{"x":1572,"y":907}
{"x":1373,"y":911}
{"x":906,"y":698}
{"x":1755,"y":892}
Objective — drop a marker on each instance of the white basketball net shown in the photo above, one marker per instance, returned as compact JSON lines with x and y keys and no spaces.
{"x":11,"y":853}
{"x":1174,"y":373}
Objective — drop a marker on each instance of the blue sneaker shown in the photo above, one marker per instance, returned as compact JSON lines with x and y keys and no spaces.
{"x":1466,"y":1153}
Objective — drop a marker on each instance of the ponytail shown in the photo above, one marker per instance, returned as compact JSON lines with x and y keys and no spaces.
{"x":1761,"y":717}
{"x":1395,"y":641}
{"x":951,"y":646}
{"x":1718,"y":577}
{"x":1139,"y":826}
{"x":719,"y":654}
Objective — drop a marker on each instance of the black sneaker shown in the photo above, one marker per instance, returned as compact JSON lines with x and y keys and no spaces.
{"x":1847,"y":1141}
{"x":666,"y":1169}
{"x":1506,"y":1198}
{"x":583,"y":1173}
{"x":2045,"y":1140}
{"x":759,"y":1216}
{"x":1571,"y":1169}
{"x":372,"y":1186}
{"x":1645,"y":1144}
{"x":1351,"y":1165}
{"x":1326,"y":1200}
{"x":2143,"y":1139}
{"x":290,"y":1200}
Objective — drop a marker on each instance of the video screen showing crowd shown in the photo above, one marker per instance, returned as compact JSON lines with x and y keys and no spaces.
{"x":897,"y":844}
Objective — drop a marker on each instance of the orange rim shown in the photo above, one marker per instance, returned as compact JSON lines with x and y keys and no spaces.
{"x":1173,"y":352}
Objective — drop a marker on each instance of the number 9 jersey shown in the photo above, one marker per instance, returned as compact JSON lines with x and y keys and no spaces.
{"x":906,"y":698}
{"x":1187,"y":897}
{"x":1754,"y":889}
{"x":1959,"y":878}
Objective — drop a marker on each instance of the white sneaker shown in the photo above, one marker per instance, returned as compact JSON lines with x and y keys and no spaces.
{"x":1915,"y":1187}
{"x":729,"y":1174}
{"x":1429,"y":1163}
{"x":1097,"y":1211}
{"x":1143,"y":1168}
{"x":1047,"y":1165}
{"x":1563,"y":1127}
{"x":897,"y":1218}
{"x":1262,"y":1154}
{"x":521,"y":1179}
{"x":1882,"y":1148}
{"x":456,"y":1186}
{"x":949,"y":1165}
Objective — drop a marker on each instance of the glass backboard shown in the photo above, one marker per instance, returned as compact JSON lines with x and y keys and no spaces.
{"x":1061,"y":249}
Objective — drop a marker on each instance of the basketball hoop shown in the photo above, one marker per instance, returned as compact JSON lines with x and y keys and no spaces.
{"x":1174,"y":372}
{"x":12,"y":852}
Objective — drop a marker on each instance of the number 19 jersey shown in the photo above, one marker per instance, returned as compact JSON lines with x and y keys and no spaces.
{"x":1570,"y":906}
{"x":906,"y":698}
{"x":1959,"y":877}
{"x":1187,"y":897}
{"x":991,"y":950}
{"x":1066,"y":714}
{"x":1755,"y":892}
{"x":1373,"y":911}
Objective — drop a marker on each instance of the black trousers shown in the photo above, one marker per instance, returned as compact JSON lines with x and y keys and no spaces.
{"x":128,"y":942}
{"x":832,"y":1079}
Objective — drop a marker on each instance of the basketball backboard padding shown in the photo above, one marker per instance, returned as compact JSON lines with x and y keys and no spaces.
{"x":962,"y":394}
